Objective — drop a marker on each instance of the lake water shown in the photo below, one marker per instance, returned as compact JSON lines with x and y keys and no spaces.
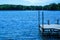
{"x":23,"y":25}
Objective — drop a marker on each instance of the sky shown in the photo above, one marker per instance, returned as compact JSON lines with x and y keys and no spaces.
{"x":29,"y":2}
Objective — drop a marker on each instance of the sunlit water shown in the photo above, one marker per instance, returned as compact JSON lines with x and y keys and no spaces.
{"x":23,"y":25}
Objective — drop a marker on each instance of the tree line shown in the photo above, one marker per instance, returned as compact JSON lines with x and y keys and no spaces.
{"x":52,"y":6}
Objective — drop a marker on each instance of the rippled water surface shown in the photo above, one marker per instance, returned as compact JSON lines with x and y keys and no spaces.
{"x":23,"y":25}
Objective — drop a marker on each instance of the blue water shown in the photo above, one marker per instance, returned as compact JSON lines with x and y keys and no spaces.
{"x":23,"y":25}
{"x":52,"y":16}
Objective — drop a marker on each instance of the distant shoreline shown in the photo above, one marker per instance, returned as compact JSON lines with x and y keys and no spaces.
{"x":50,"y":7}
{"x":29,"y":10}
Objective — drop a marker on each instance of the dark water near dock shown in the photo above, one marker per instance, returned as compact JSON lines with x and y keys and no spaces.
{"x":23,"y":25}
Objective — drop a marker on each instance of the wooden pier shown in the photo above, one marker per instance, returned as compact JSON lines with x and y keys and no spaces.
{"x":49,"y":29}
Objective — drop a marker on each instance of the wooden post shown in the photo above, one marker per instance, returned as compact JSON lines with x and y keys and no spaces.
{"x":39,"y":23}
{"x":57,"y":21}
{"x":42,"y":21}
{"x":39,"y":19}
{"x":48,"y":22}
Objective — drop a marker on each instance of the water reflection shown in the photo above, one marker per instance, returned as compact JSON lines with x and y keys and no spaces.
{"x":51,"y":37}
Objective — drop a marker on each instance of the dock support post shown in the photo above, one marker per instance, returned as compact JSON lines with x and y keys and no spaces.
{"x":42,"y":22}
{"x":39,"y":24}
{"x":39,"y":19}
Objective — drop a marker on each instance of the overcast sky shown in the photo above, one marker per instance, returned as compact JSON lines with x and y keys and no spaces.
{"x":29,"y":2}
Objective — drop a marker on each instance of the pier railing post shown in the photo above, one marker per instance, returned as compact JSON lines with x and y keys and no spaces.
{"x":57,"y":21}
{"x":48,"y":22}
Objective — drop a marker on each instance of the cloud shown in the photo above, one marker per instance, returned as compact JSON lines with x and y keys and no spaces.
{"x":37,"y":2}
{"x":32,"y":1}
{"x":29,"y":2}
